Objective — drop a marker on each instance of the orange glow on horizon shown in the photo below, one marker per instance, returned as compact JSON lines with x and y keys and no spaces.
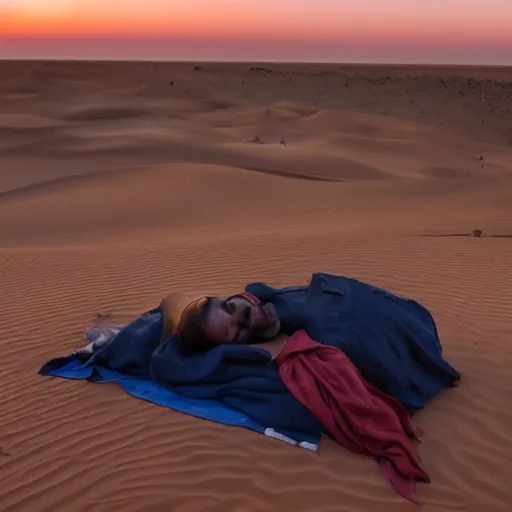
{"x":240,"y":20}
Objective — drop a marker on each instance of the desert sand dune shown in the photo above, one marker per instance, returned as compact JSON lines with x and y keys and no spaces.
{"x":122,"y":182}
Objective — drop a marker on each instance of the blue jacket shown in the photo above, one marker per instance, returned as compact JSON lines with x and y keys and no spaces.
{"x":392,"y":340}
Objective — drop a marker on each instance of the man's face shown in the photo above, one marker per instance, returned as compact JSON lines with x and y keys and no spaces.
{"x":241,"y":319}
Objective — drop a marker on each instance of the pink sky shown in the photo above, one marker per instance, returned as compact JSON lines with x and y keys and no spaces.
{"x":423,"y":31}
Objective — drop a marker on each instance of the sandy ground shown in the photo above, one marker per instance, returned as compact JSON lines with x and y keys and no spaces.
{"x":120,"y":183}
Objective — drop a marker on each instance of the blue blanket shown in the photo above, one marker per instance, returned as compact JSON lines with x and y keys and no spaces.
{"x":235,"y":385}
{"x":392,"y":340}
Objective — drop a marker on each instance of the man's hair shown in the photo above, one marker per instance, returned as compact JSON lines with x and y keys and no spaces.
{"x":191,"y":333}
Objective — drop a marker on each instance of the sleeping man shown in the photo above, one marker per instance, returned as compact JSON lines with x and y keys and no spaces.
{"x":393,"y":341}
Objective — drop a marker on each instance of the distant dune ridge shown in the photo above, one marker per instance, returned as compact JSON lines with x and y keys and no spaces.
{"x":121,"y":182}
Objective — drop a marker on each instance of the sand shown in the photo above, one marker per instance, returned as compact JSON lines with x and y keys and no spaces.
{"x":120,"y":183}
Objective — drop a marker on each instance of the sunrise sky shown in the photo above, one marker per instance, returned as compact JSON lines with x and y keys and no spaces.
{"x":403,"y":31}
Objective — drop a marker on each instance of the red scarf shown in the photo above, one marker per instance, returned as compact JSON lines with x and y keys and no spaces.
{"x":354,"y":412}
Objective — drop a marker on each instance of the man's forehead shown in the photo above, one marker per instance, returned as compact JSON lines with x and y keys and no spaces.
{"x":215,"y":311}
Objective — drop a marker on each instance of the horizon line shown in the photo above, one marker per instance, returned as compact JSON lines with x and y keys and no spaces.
{"x":283,"y":62}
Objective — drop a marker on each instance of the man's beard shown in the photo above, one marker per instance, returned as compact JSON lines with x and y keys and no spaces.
{"x":260,"y":337}
{"x":262,"y":333}
{"x":265,"y":332}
